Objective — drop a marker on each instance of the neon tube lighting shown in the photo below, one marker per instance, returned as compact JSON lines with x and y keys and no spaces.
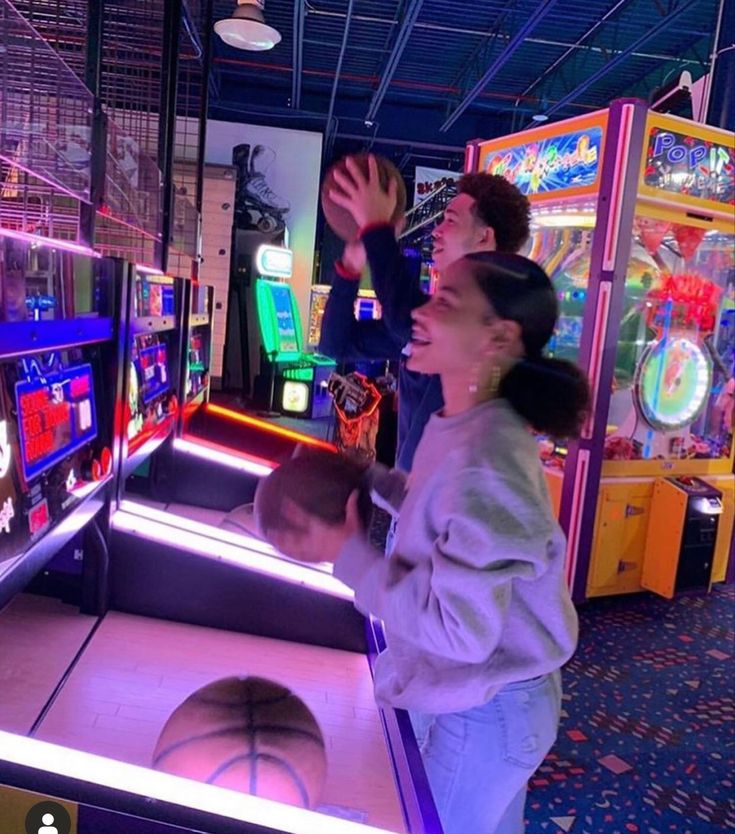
{"x":161,"y":527}
{"x":148,"y":270}
{"x":201,"y":528}
{"x":152,"y":784}
{"x":238,"y":417}
{"x":236,"y":460}
{"x":67,"y":245}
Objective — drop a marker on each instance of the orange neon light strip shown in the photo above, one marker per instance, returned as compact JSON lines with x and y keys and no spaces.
{"x":238,"y":417}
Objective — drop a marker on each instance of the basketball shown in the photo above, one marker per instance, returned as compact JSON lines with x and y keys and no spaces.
{"x":317,"y":481}
{"x":241,"y":520}
{"x":246,"y":734}
{"x":339,"y":219}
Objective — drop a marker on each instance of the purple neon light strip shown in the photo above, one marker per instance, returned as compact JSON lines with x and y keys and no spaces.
{"x":67,"y":245}
{"x":151,"y":784}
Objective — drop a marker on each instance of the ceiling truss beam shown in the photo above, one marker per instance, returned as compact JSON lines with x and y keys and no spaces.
{"x":409,"y":16}
{"x":541,"y":11}
{"x":619,"y":57}
{"x":299,"y":9}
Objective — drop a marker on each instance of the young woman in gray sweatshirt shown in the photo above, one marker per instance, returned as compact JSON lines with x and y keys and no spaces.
{"x":476,"y":610}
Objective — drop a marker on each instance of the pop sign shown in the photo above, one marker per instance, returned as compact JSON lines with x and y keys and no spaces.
{"x":690,"y":165}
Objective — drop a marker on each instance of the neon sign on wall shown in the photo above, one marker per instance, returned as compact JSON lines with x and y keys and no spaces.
{"x":56,"y":415}
{"x":549,"y":165}
{"x":683,"y":164}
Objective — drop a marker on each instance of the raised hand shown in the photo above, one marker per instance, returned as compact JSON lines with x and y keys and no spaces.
{"x":364,"y":197}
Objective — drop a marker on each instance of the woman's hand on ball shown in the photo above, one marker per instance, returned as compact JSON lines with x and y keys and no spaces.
{"x":364,"y":197}
{"x":307,"y":538}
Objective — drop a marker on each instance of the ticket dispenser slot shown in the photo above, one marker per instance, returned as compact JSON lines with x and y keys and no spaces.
{"x":682,"y":532}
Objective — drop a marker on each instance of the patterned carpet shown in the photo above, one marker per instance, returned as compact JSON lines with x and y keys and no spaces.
{"x":647,"y":742}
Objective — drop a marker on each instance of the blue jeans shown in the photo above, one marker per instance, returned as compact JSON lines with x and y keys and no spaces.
{"x":478,"y":762}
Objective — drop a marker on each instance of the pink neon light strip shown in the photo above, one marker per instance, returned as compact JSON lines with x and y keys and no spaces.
{"x":613,"y":229}
{"x":580,"y":485}
{"x":67,"y":245}
{"x":186,"y":793}
{"x":192,"y":445}
{"x":148,"y":270}
{"x":160,"y":526}
{"x":598,"y":339}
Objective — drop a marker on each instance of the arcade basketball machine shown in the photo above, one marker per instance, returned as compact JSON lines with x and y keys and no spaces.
{"x":633,"y":219}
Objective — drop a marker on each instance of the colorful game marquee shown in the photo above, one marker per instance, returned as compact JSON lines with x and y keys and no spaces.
{"x":634,"y":220}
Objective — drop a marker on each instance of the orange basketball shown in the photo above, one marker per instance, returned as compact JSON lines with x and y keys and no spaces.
{"x":319,"y":482}
{"x":246,"y":734}
{"x":339,"y":219}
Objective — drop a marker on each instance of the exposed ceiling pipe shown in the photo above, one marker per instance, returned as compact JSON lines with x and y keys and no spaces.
{"x":410,"y":15}
{"x":513,"y":44}
{"x":298,"y":52}
{"x":621,"y":56}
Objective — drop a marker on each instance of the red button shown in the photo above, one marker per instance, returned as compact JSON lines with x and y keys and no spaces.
{"x":106,"y":461}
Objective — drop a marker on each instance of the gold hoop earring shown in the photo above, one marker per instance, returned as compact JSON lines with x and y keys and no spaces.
{"x":474,"y":385}
{"x":494,"y":381}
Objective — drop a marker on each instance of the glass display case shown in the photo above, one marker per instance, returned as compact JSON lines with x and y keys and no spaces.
{"x":633,"y":218}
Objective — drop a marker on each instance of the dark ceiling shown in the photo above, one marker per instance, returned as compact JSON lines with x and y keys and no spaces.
{"x":418,"y":78}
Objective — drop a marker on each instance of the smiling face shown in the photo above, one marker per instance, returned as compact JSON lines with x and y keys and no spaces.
{"x":460,"y":232}
{"x":452,"y":332}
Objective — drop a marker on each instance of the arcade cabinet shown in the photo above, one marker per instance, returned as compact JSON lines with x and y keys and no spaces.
{"x":152,"y":362}
{"x":173,"y":562}
{"x":176,"y":597}
{"x":367,"y":307}
{"x":297,"y":380}
{"x":60,"y":383}
{"x":633,"y":217}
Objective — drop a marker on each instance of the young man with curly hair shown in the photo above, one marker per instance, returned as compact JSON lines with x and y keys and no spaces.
{"x":488,"y":214}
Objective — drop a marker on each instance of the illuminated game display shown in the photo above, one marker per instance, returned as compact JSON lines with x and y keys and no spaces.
{"x":56,"y":374}
{"x":199,"y":347}
{"x":151,"y":400}
{"x":645,"y":280}
{"x":673,"y":381}
{"x":56,"y":415}
{"x":300,"y":384}
{"x":298,"y":380}
{"x":367,"y":306}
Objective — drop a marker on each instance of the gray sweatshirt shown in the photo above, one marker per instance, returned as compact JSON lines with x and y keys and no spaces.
{"x":473,"y":596}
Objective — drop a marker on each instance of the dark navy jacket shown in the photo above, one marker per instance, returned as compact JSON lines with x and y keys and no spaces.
{"x":347,"y":340}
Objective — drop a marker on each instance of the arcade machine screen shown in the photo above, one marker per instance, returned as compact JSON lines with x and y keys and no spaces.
{"x":56,"y":407}
{"x":278,"y":320}
{"x":49,"y":458}
{"x":151,"y":401}
{"x":298,"y":380}
{"x":196,"y":381}
{"x":367,"y":306}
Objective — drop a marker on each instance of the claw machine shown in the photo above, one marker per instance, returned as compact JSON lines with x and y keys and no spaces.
{"x":633,"y":217}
